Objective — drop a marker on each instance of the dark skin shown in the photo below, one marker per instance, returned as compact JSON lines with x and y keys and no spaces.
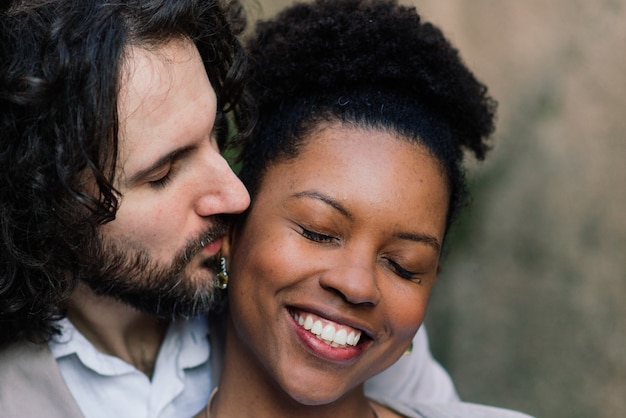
{"x":322,"y":242}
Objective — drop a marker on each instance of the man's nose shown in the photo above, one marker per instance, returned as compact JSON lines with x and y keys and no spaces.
{"x":223,"y":191}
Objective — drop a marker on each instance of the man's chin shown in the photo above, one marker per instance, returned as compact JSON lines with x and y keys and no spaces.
{"x":179,"y":297}
{"x":183,"y":288}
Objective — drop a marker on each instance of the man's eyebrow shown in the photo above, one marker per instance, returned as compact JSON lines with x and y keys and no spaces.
{"x":427,"y":239}
{"x":326,"y":199}
{"x":160,"y":162}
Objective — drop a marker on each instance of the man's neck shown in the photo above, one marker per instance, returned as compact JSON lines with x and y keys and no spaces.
{"x":117,"y":329}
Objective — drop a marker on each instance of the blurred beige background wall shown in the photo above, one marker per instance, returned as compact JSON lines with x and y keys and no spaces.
{"x":529,"y":311}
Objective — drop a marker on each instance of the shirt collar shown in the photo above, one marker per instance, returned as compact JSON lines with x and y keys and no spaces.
{"x":185,"y":339}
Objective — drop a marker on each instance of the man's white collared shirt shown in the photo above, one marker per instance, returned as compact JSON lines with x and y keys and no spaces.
{"x":180,"y":386}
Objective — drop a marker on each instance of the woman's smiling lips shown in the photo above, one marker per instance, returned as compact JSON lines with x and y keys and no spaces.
{"x":327,"y":338}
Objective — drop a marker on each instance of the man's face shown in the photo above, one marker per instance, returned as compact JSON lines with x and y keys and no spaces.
{"x":160,"y":252}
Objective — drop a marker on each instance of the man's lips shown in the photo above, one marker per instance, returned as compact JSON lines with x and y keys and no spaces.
{"x":212,"y":247}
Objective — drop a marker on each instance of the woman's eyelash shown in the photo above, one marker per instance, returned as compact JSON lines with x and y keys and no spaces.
{"x":402,"y":272}
{"x":397,"y":268}
{"x":316,"y":237}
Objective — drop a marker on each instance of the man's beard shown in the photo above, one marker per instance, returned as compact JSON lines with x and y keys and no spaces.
{"x":126,"y":271}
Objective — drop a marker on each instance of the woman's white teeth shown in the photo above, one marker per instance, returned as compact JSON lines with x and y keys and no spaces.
{"x":329,"y":334}
{"x":307,"y":323}
{"x":317,"y":328}
{"x":353,"y":338}
{"x":340,"y":337}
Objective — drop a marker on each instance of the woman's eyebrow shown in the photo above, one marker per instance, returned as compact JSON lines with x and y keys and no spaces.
{"x":424,"y":238}
{"x":313,"y":194}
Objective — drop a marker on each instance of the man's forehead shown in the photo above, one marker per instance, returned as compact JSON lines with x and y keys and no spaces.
{"x":146,"y":73}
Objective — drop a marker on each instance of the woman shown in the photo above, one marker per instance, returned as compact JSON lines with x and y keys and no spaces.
{"x":355,"y":174}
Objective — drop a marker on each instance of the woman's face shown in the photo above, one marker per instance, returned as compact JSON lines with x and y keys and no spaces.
{"x":342,"y":242}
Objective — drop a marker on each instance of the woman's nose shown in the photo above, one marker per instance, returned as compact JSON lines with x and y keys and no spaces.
{"x":355,"y":282}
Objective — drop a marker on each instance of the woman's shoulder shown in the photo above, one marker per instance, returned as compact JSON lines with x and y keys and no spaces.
{"x":451,"y":410}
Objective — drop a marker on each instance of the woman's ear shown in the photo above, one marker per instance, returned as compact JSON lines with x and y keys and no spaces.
{"x":230,"y":239}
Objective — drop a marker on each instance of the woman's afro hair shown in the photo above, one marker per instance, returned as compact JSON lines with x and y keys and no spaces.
{"x":330,"y":45}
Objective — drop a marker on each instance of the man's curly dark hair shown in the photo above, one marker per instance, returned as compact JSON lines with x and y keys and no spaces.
{"x":60,"y":63}
{"x":373,"y":63}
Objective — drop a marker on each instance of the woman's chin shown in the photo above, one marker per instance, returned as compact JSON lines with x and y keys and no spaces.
{"x":315,"y":394}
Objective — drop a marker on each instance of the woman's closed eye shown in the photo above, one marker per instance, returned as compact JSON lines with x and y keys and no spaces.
{"x":316,"y":236}
{"x":402,"y":272}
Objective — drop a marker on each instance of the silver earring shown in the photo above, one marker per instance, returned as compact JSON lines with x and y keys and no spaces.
{"x":221,"y":281}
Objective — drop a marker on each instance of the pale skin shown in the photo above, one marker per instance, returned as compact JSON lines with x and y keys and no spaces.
{"x":172,"y":179}
{"x":348,"y":233}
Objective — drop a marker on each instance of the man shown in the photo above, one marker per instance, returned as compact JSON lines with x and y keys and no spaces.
{"x":114,"y":200}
